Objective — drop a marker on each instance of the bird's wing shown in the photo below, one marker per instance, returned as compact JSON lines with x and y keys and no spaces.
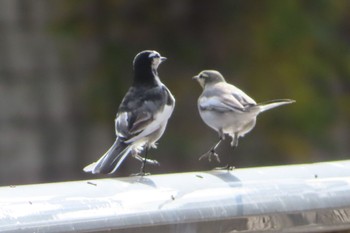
{"x":142,"y":113}
{"x":225,"y":97}
{"x":219,"y":103}
{"x":142,"y":120}
{"x":129,"y":123}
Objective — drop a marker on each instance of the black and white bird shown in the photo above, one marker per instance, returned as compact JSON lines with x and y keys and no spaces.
{"x":228,"y":110}
{"x":142,"y":116}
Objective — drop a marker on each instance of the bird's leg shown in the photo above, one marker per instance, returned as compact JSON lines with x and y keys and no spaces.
{"x":234,"y":144}
{"x":212,"y":152}
{"x":141,"y":159}
{"x":143,"y":164}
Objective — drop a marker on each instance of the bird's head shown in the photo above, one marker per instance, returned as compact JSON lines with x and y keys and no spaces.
{"x":148,"y":59}
{"x":207,"y":77}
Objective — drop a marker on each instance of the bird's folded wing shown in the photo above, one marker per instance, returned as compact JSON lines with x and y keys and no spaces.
{"x":232,"y":94}
{"x":220,"y":103}
{"x":127,"y":125}
{"x":142,"y":120}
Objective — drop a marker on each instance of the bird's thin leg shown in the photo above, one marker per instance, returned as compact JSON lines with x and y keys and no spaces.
{"x":143,"y":164}
{"x":234,"y":144}
{"x":216,"y":145}
{"x":212,"y":152}
{"x":145,"y":159}
{"x":141,"y":159}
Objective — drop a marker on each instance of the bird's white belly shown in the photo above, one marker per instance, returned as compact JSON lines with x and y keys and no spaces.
{"x":228,"y":122}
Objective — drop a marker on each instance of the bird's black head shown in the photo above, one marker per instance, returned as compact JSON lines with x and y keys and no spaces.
{"x":145,"y":67}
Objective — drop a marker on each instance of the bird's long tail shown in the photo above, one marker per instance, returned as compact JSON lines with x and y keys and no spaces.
{"x":111,"y":160}
{"x":264,"y":106}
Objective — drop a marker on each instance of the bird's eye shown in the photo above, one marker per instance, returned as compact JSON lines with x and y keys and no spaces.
{"x":154,"y":55}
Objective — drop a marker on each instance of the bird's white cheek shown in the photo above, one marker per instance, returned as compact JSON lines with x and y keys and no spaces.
{"x":201,"y":82}
{"x":155,"y":63}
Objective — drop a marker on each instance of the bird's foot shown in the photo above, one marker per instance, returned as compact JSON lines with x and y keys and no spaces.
{"x":211,"y":153}
{"x":142,"y":170}
{"x":227,"y":167}
{"x":144,"y":161}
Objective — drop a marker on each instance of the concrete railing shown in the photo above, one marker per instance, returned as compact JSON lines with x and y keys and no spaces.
{"x":295,"y":198}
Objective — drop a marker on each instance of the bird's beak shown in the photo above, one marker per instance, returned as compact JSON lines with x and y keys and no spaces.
{"x":195,"y":77}
{"x":162,"y":59}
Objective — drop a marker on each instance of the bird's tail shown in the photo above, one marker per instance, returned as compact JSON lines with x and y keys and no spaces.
{"x":111,"y":160}
{"x":264,"y":106}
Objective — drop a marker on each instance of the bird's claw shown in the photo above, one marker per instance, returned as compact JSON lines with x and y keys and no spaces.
{"x":209,"y":155}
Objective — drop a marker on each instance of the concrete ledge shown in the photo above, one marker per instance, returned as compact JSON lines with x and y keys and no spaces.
{"x":295,"y":198}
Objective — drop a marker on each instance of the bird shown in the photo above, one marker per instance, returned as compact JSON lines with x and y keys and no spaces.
{"x":228,"y":110}
{"x":141,"y":118}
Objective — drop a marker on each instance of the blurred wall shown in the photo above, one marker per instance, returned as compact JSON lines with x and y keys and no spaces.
{"x":65,"y":66}
{"x":44,"y":128}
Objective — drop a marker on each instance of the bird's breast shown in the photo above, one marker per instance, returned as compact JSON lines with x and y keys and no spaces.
{"x":229,"y":122}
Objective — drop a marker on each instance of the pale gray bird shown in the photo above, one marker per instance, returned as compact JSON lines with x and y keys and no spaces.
{"x":228,"y":110}
{"x":141,"y":118}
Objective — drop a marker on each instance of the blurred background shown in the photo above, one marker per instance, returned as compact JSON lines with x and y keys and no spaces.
{"x":66,"y":65}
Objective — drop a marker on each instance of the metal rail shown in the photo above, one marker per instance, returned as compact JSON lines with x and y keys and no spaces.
{"x":296,"y":198}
